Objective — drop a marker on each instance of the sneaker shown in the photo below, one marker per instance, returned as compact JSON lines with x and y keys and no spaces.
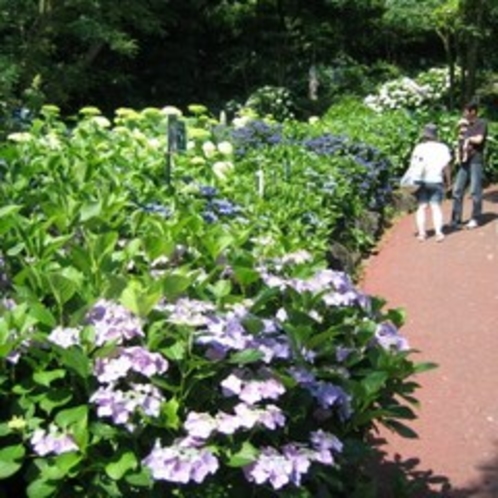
{"x":421,"y":237}
{"x":455,"y":225}
{"x":439,"y":237}
{"x":471,"y":224}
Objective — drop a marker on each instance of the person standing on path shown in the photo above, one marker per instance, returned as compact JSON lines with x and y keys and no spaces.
{"x":435,"y":158}
{"x":471,"y":168}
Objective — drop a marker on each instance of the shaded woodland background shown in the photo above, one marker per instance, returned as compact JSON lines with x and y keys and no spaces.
{"x":134,"y":53}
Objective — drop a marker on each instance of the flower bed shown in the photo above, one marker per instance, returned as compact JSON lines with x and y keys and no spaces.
{"x":184,"y":336}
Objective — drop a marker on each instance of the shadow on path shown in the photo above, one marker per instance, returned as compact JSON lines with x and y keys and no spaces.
{"x":404,"y":478}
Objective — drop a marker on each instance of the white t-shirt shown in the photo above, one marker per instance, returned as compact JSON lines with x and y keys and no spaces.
{"x":434,"y":156}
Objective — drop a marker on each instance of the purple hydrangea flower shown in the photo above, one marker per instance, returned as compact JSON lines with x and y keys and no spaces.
{"x":249,"y":416}
{"x":65,"y":337}
{"x":134,"y":358}
{"x":250,"y":390}
{"x":52,"y":442}
{"x":113,"y":322}
{"x":190,"y":312}
{"x":270,"y":467}
{"x":121,"y":405}
{"x":325,"y":444}
{"x":388,"y":337}
{"x":200,"y":425}
{"x":181,"y":462}
{"x":223,"y":334}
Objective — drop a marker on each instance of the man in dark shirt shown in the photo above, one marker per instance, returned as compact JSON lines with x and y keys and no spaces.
{"x":472,"y":168}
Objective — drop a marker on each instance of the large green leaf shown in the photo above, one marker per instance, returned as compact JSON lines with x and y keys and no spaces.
{"x":244,"y":456}
{"x":121,"y":464}
{"x":139,"y":299}
{"x":65,"y":283}
{"x":9,"y":460}
{"x":46,"y":378}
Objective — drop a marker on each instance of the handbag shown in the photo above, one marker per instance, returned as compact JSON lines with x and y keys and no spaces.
{"x":414,"y":175}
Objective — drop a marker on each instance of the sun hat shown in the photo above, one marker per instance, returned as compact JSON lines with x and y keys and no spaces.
{"x":430,"y":131}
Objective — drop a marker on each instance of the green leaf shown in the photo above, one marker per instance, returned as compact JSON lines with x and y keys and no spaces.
{"x":246,"y":356}
{"x":77,"y":361}
{"x":72,"y":417}
{"x":9,"y":457}
{"x":42,"y":314}
{"x":141,"y":479}
{"x":46,"y":378}
{"x":245,"y":456}
{"x":170,"y":411}
{"x":76,"y":421}
{"x":90,"y":210}
{"x":41,"y":489}
{"x":55,"y":398}
{"x":59,"y":467}
{"x":425,"y":367}
{"x":175,"y":284}
{"x":221,"y":289}
{"x":65,"y":284}
{"x":8,"y":469}
{"x":8,"y":210}
{"x":138,"y":299}
{"x":121,"y":465}
{"x":176,"y":352}
{"x":374,"y":382}
{"x":245,"y":276}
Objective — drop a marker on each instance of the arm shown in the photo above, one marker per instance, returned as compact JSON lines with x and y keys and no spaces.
{"x":447,"y":175}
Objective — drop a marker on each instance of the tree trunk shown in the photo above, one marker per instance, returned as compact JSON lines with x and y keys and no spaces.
{"x":475,"y":14}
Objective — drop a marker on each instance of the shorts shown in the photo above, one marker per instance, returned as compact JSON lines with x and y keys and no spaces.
{"x":432,"y":193}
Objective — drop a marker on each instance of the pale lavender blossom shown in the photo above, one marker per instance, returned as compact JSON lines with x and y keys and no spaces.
{"x":302,"y":376}
{"x":251,"y":390}
{"x":258,"y":390}
{"x":190,"y":312}
{"x":134,"y":358}
{"x":181,"y":463}
{"x":273,"y":348}
{"x":113,"y":323}
{"x":271,"y":417}
{"x":223,"y":334}
{"x":249,"y":416}
{"x":270,"y":467}
{"x":282,"y":315}
{"x":53,"y":441}
{"x":273,"y":281}
{"x":65,"y":337}
{"x":300,"y":458}
{"x":342,"y":353}
{"x":327,"y":395}
{"x":388,"y":337}
{"x":232,"y":385}
{"x":7,"y":303}
{"x":325,"y":445}
{"x":296,"y":258}
{"x":200,"y":425}
{"x":227,"y":423}
{"x":121,"y":405}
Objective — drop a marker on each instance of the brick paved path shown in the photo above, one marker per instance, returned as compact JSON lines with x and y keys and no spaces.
{"x":450,"y":292}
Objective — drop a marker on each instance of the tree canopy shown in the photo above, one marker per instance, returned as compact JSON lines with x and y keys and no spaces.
{"x":153,"y":52}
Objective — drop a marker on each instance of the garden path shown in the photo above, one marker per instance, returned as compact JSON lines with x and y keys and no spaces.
{"x":450,"y":293}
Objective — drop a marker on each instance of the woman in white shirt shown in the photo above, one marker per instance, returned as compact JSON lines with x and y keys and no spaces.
{"x":435,"y":160}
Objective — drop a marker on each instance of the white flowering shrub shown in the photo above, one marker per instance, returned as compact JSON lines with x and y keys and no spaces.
{"x":271,"y":101}
{"x":426,"y":89}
